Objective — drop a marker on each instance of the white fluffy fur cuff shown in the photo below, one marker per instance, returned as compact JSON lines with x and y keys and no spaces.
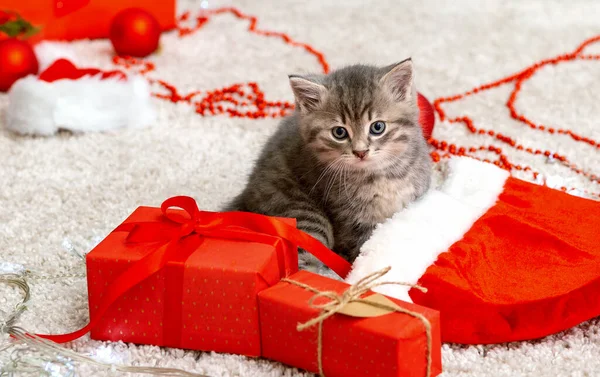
{"x":90,"y":103}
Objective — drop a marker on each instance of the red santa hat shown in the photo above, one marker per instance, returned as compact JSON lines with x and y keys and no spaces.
{"x":64,"y":96}
{"x":502,"y":259}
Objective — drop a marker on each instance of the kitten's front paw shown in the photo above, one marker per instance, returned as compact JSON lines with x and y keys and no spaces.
{"x":308,"y":262}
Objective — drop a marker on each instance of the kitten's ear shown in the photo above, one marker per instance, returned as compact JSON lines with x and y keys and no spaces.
{"x":398,"y":79}
{"x":308,"y":92}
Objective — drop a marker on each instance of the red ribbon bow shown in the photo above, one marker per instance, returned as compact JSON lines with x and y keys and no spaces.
{"x":180,"y":237}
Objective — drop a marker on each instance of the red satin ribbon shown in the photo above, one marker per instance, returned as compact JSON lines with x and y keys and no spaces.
{"x":181,"y":237}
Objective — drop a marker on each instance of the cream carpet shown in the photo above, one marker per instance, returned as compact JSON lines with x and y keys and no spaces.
{"x":70,"y":190}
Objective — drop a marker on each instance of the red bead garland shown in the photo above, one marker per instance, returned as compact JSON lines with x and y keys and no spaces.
{"x":247,"y":100}
{"x":131,"y":62}
{"x":241,"y":100}
{"x":200,"y":21}
{"x":286,"y":38}
{"x":517,"y":79}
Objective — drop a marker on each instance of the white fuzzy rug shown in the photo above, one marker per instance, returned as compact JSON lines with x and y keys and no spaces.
{"x":77,"y":188}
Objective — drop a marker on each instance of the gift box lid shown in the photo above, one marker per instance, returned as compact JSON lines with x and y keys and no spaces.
{"x":218,"y":253}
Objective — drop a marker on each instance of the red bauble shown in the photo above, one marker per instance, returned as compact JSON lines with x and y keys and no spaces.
{"x":17,"y":60}
{"x":135,"y":32}
{"x":426,"y":115}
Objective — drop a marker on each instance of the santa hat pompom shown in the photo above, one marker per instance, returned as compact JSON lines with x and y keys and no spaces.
{"x":79,"y":100}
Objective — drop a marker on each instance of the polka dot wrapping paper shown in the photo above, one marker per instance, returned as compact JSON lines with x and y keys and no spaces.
{"x":393,"y":344}
{"x":203,"y":299}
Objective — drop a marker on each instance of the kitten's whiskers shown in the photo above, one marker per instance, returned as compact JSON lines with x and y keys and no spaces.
{"x":327,"y":168}
{"x":395,"y":164}
{"x":333,"y":178}
{"x":330,"y":183}
{"x":346,"y":168}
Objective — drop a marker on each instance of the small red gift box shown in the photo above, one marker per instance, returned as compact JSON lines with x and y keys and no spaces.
{"x":379,"y":343}
{"x":189,"y":279}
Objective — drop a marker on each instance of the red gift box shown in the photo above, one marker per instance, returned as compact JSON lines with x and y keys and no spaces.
{"x":390,"y":343}
{"x":80,"y":19}
{"x":189,"y":279}
{"x":204,"y":299}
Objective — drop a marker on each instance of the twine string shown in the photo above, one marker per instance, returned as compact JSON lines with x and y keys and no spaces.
{"x":353,"y":294}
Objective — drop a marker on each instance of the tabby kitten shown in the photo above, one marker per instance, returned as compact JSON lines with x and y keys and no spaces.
{"x":350,"y":156}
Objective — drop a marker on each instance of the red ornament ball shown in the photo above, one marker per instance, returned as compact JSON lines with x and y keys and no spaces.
{"x":17,"y":60}
{"x":134,"y":32}
{"x":426,"y":115}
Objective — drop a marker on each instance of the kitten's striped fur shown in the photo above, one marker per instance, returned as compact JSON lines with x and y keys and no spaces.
{"x":304,"y":172}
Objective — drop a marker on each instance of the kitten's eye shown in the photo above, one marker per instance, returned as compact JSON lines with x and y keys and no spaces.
{"x":377,"y":128}
{"x":339,"y":133}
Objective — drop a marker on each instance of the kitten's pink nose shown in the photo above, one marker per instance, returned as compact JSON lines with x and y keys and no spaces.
{"x":361,"y":154}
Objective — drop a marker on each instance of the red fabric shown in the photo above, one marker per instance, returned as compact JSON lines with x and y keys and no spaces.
{"x":426,"y":115}
{"x":64,"y":69}
{"x":390,"y":345}
{"x":528,"y":268}
{"x":83,"y":19}
{"x":181,"y":247}
{"x":64,"y":7}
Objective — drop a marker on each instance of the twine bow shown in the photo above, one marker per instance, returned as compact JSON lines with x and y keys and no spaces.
{"x":337,"y":302}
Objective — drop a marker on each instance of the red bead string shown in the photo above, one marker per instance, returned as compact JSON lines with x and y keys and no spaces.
{"x":142,"y":67}
{"x":517,"y":79}
{"x":247,"y":100}
{"x":252,"y":28}
{"x":183,"y":31}
{"x":241,"y":100}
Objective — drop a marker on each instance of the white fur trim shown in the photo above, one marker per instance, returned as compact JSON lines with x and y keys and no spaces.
{"x":413,"y":238}
{"x":473,"y":182}
{"x":88,"y":104}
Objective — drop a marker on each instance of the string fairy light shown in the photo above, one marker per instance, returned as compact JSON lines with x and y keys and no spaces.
{"x":37,"y":356}
{"x":29,"y":355}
